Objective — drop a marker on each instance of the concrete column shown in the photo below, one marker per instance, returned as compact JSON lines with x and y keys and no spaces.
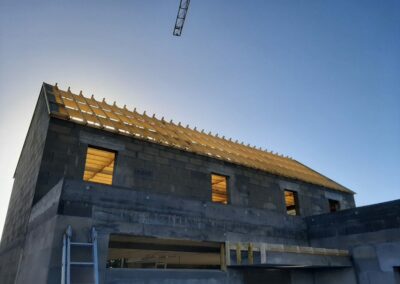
{"x":102,"y":250}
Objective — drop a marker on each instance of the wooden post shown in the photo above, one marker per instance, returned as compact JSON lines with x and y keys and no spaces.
{"x":223,"y":258}
{"x":238,"y":254}
{"x":250,"y":253}
{"x":228,"y":253}
{"x":263,"y":253}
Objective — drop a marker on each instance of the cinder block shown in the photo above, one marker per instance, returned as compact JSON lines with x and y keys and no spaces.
{"x":61,"y":129}
{"x":146,"y":157}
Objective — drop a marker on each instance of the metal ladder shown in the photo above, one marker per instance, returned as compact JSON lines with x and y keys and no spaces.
{"x":66,"y":256}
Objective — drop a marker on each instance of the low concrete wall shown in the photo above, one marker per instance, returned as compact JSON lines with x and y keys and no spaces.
{"x":371,"y":233}
{"x":232,"y":276}
{"x":189,"y":276}
{"x":335,"y":276}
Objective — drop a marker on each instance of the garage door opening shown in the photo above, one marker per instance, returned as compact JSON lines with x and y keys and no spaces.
{"x":144,"y":252}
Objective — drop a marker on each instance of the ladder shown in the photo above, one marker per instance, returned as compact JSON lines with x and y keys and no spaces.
{"x":66,"y":261}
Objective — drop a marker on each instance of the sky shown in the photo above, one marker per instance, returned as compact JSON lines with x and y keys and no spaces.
{"x":315,"y":80}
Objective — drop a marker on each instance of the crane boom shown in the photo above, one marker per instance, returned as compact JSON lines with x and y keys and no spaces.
{"x":180,"y":18}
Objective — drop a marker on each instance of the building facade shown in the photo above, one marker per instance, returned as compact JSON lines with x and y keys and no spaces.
{"x":171,"y":204}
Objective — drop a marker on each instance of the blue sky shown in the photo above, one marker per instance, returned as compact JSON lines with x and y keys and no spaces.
{"x":316,"y":80}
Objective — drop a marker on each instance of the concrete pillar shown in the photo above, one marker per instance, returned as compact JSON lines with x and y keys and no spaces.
{"x":102,"y":249}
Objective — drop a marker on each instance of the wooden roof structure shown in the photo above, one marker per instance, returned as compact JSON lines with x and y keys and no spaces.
{"x":110,"y":117}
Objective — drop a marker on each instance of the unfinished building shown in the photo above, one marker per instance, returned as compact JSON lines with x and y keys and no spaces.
{"x":103,"y":194}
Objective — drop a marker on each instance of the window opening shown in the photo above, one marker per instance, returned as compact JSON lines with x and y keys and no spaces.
{"x":99,"y":166}
{"x":334,"y":205}
{"x":219,"y":189}
{"x":291,"y":202}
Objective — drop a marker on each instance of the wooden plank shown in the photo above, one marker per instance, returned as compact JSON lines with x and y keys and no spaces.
{"x":238,"y":254}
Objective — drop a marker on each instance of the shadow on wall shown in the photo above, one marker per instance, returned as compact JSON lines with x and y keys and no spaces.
{"x":396,"y":274}
{"x":274,"y":276}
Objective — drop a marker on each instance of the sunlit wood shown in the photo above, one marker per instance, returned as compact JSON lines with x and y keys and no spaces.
{"x":291,"y":202}
{"x":219,"y":189}
{"x":99,"y":166}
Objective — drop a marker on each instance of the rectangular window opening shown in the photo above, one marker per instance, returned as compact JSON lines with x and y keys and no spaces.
{"x":219,"y":188}
{"x":99,"y":166}
{"x":145,"y":252}
{"x":291,"y":201}
{"x":334,"y":205}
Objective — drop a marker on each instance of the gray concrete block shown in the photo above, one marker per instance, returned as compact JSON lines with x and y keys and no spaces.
{"x":388,"y":255}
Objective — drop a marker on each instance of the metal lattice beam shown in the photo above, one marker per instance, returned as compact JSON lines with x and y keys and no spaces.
{"x":180,"y":18}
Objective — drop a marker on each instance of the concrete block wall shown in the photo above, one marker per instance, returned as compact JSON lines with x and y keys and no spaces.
{"x":147,"y":276}
{"x":159,"y":169}
{"x":121,"y":211}
{"x":118,"y":210}
{"x":55,"y":149}
{"x":371,"y":233}
{"x":360,"y":220}
{"x":25,"y":179}
{"x":232,"y":276}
